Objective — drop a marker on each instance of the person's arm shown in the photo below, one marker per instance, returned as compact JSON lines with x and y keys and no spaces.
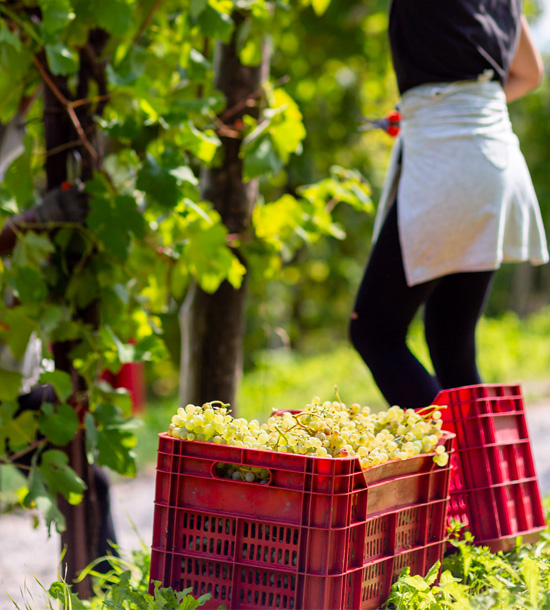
{"x":526,"y":69}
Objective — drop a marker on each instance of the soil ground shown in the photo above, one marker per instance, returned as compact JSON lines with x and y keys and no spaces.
{"x":27,"y":554}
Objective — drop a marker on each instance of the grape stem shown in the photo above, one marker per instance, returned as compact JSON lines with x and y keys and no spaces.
{"x":222,"y":405}
{"x":433,"y":408}
{"x":338,"y":396}
{"x":310,"y":431}
{"x":281,"y":433}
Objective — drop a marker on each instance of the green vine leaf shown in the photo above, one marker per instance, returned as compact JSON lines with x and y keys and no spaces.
{"x":276,"y":222}
{"x":17,"y":175}
{"x":61,"y":60}
{"x":197,"y":7}
{"x":15,"y":61}
{"x":115,"y":439}
{"x":130,"y":68}
{"x":125,"y":351}
{"x":58,"y":424}
{"x":61,"y":382}
{"x":158,"y":182}
{"x":60,"y":477}
{"x":114,"y":16}
{"x":21,"y":326}
{"x":208,"y":258}
{"x":215,"y":24}
{"x":198,"y":66}
{"x":20,"y":430}
{"x":261,"y":158}
{"x":150,"y":349}
{"x":183,"y":109}
{"x":83,"y":287}
{"x":113,"y":221}
{"x":56,"y":15}
{"x":29,"y":285}
{"x":287,"y":128}
{"x":39,"y":495}
{"x":52,"y":316}
{"x":32,"y":250}
{"x":202,"y":144}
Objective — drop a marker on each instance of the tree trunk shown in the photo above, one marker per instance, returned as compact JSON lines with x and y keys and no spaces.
{"x":212,"y":325}
{"x":79,"y":541}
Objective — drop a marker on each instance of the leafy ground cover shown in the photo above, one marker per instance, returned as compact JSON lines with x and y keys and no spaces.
{"x":473,"y":578}
{"x":124,"y":587}
{"x":469,"y":578}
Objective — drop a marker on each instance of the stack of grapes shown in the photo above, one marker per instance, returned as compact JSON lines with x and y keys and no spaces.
{"x":322,"y":429}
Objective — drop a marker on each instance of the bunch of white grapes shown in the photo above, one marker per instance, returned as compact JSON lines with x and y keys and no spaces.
{"x":322,"y":429}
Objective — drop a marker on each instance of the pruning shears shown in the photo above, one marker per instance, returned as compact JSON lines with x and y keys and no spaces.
{"x":391,"y":123}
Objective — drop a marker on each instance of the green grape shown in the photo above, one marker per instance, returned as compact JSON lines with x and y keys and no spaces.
{"x":442,"y":459}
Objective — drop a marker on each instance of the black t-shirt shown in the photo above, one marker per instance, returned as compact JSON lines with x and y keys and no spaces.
{"x":451,"y":40}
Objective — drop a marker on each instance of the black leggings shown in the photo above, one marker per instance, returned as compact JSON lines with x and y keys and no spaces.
{"x":384,"y":309}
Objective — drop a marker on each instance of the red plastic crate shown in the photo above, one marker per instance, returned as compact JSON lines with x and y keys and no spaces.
{"x":321,"y":534}
{"x":494,"y":486}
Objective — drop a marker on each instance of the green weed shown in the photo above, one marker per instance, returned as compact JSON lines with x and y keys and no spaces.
{"x":474,"y":578}
{"x":124,"y":587}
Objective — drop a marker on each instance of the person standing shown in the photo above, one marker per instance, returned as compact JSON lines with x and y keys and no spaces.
{"x":458,"y":200}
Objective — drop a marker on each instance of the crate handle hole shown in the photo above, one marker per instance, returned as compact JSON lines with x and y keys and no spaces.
{"x":241,"y":473}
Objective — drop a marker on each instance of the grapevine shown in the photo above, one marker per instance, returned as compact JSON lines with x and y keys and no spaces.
{"x":321,"y":429}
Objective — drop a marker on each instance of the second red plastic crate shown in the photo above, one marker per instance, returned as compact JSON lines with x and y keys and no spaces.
{"x":494,"y":487}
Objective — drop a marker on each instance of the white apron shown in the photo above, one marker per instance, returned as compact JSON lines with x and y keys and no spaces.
{"x":465,"y":197}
